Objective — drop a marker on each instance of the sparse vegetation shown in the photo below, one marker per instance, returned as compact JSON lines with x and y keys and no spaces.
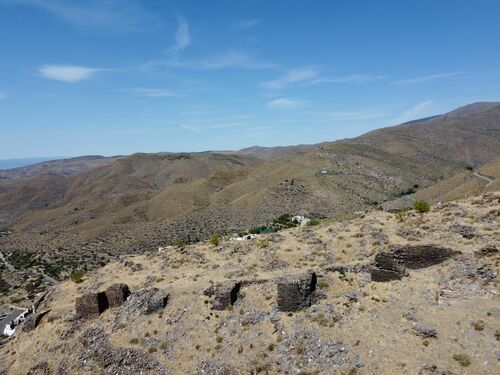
{"x":313,"y":222}
{"x":421,"y":206}
{"x":462,"y":359}
{"x":262,"y":242}
{"x":401,"y":214}
{"x":179,"y":242}
{"x":77,"y":276}
{"x":214,"y":240}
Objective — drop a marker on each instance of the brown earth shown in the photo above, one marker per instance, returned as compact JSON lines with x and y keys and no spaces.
{"x":440,"y":319}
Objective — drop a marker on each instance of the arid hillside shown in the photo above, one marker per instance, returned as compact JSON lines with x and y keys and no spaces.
{"x":143,"y":201}
{"x":375,"y":293}
{"x":63,"y":167}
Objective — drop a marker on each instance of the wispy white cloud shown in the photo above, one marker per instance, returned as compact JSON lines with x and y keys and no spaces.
{"x":67,"y":73}
{"x":431,"y":77}
{"x":312,"y":75}
{"x":355,"y":115}
{"x":419,"y":110}
{"x":191,"y":128}
{"x":285,"y":103}
{"x":294,"y":76}
{"x":234,"y":60}
{"x":226,"y":60}
{"x":182,"y":37}
{"x":116,"y":15}
{"x":353,"y":78}
{"x":154,"y":93}
{"x":246,"y":24}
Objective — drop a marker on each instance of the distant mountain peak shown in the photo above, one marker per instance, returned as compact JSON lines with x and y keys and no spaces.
{"x":472,"y":109}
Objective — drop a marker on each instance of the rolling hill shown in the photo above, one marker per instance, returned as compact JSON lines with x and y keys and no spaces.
{"x":138,"y":202}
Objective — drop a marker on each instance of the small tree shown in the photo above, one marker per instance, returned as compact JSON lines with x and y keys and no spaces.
{"x":77,"y":276}
{"x":214,"y":240}
{"x":421,"y":206}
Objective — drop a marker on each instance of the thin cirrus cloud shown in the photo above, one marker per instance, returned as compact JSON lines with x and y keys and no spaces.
{"x":182,"y":37}
{"x":355,"y":115}
{"x":191,"y":128}
{"x":246,"y":24}
{"x":431,"y":77}
{"x":292,"y":77}
{"x":419,"y":110}
{"x":229,"y":59}
{"x":68,"y":73}
{"x":152,"y":93}
{"x":112,"y":15}
{"x":353,"y":78}
{"x":311,"y":75}
{"x":285,"y":104}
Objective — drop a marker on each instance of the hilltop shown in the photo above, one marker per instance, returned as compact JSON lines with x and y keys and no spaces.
{"x":236,"y":307}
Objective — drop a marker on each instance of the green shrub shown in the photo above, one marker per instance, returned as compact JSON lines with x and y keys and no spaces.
{"x":179,"y":242}
{"x":214,"y":240}
{"x":262,"y":243}
{"x":313,"y":222}
{"x":421,"y":206}
{"x":77,"y":276}
{"x":462,"y":359}
{"x":401,"y":214}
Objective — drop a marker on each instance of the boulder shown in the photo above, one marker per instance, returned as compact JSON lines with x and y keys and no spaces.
{"x":381,"y":275}
{"x":295,"y":292}
{"x":391,"y":265}
{"x":486,"y":251}
{"x":387,"y":268}
{"x":215,"y":368}
{"x":117,"y":294}
{"x":434,"y":370}
{"x":424,"y":330}
{"x":464,"y":230}
{"x":225,"y":294}
{"x":33,"y":321}
{"x":421,"y":256}
{"x":91,"y":305}
{"x":146,"y":301}
{"x":110,"y":359}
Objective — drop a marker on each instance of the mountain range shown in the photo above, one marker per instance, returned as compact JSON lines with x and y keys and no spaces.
{"x":91,"y":209}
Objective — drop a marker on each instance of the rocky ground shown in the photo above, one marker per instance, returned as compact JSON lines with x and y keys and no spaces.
{"x":301,"y":301}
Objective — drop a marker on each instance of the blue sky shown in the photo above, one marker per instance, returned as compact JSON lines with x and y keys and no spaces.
{"x":116,"y":77}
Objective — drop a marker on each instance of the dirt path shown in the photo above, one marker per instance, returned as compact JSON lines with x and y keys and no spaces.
{"x":483,"y":177}
{"x":9,"y":266}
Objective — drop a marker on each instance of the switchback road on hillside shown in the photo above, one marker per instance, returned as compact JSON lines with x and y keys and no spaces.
{"x":483,"y":177}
